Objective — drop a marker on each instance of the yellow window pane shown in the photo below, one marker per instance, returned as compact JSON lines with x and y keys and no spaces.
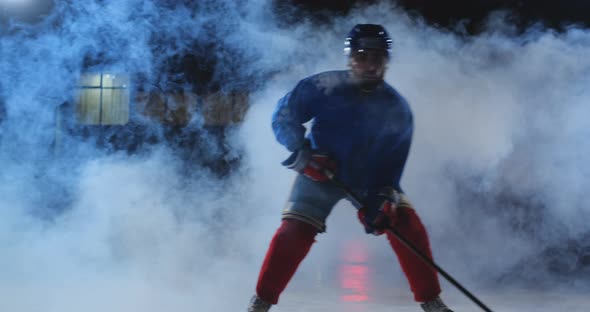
{"x":115,"y":106}
{"x":90,"y":80}
{"x":103,"y":99}
{"x":115,"y":81}
{"x":88,"y":106}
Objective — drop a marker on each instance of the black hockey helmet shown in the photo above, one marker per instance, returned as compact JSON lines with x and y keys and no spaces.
{"x":367,"y":36}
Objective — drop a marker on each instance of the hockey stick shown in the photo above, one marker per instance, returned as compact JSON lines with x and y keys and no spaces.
{"x":411,"y":246}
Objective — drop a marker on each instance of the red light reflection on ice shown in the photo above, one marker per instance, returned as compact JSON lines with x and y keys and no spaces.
{"x":354,"y":278}
{"x":354,"y":272}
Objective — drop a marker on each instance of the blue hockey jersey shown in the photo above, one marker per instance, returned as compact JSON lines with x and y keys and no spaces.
{"x":368,"y":134}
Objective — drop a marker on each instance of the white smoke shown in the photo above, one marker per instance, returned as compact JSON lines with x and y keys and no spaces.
{"x":97,"y":231}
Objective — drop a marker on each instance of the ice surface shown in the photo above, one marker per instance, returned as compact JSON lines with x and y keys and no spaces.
{"x":391,"y":299}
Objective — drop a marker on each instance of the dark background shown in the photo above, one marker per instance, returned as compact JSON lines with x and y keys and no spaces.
{"x":557,"y":15}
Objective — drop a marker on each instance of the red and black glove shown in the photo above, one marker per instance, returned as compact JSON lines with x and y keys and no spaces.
{"x":381,"y":212}
{"x":312,"y":164}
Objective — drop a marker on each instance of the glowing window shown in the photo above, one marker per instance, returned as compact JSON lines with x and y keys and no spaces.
{"x":103,"y":99}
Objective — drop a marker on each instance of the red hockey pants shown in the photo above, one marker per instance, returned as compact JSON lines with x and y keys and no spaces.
{"x":293,"y":239}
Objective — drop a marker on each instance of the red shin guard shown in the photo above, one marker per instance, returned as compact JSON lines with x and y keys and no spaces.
{"x":288,"y":247}
{"x":422,"y":278}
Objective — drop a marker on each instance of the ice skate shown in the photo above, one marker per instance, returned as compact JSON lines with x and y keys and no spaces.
{"x":258,"y":305}
{"x":436,"y":305}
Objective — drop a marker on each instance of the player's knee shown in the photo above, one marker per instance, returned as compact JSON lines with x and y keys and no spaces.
{"x":305,"y":218}
{"x":295,"y":229}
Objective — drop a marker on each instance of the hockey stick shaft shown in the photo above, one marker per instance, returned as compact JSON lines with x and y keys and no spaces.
{"x":413,"y":248}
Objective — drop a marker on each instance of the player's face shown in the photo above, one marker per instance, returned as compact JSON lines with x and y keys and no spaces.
{"x":368,"y":66}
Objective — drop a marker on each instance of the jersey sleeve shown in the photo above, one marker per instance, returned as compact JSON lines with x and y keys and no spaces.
{"x":292,"y":111}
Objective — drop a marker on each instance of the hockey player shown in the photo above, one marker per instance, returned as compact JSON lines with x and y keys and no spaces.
{"x":361,"y":131}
